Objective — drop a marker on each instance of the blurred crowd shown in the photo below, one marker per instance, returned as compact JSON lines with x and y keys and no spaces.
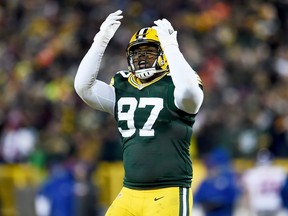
{"x":239,"y":48}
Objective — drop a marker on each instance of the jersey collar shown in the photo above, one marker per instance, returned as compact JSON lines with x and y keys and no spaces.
{"x":135,"y":82}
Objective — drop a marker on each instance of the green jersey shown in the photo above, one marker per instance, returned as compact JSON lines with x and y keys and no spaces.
{"x":155,"y":134}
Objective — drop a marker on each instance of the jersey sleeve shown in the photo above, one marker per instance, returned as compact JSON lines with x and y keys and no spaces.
{"x":97,"y":94}
{"x":188,"y":85}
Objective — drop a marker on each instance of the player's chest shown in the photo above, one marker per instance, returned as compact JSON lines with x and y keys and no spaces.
{"x":143,"y":108}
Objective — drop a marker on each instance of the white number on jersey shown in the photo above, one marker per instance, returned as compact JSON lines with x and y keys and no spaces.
{"x":128,"y":116}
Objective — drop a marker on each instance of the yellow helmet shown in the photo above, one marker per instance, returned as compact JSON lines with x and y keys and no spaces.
{"x":146,"y":36}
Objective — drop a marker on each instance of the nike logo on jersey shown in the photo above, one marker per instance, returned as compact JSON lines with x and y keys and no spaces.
{"x":156,"y":199}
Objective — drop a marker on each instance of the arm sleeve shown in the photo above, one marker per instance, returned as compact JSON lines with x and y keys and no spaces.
{"x":95,"y":93}
{"x":188,"y":93}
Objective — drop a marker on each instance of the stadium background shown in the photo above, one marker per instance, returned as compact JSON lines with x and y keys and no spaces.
{"x":238,"y":47}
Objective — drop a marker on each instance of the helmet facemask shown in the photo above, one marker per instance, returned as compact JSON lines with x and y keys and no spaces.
{"x":144,"y":54}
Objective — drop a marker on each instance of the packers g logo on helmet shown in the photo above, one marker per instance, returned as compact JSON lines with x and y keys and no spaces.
{"x":146,"y":36}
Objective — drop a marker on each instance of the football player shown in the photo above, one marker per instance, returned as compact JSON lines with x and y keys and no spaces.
{"x":155,"y":103}
{"x":262,"y":185}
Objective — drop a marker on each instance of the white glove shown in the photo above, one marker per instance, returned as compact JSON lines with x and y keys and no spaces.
{"x":109,"y":27}
{"x":166,"y":33}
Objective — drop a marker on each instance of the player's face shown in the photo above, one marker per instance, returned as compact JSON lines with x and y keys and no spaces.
{"x":144,"y":56}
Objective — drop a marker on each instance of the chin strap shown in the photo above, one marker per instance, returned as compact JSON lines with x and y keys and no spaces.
{"x":147,"y":73}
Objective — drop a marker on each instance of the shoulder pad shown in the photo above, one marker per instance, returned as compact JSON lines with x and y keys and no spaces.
{"x":124,"y":73}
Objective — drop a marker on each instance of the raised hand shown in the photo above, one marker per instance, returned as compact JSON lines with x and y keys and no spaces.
{"x":166,"y":33}
{"x":110,"y":25}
